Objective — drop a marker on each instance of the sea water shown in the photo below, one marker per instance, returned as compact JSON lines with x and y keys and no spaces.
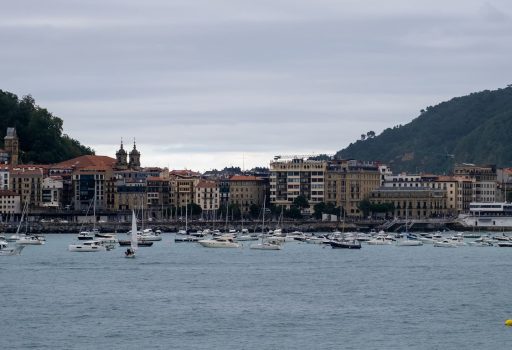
{"x":306,"y":296}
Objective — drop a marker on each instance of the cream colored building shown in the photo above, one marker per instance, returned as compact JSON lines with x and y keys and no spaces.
{"x":207,"y":195}
{"x":182,"y":187}
{"x":348,"y":182}
{"x":245,"y":191}
{"x":297,"y":177}
{"x":10,"y":203}
{"x":412,"y":202}
{"x":27,"y":181}
{"x":485,"y":184}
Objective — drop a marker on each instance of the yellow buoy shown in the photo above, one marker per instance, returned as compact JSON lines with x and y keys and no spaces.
{"x":508,"y":323}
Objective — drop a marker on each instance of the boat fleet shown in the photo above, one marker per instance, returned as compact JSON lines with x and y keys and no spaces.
{"x":14,"y":244}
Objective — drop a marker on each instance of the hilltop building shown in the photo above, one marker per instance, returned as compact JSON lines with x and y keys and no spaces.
{"x":10,"y":153}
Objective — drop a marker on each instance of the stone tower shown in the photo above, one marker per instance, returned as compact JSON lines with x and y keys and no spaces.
{"x":11,"y":145}
{"x":121,"y":156}
{"x":134,"y":158}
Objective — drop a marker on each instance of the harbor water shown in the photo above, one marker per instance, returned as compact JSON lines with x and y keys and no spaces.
{"x":305,"y":296}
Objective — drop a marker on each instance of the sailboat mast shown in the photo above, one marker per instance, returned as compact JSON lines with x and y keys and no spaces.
{"x":94,"y":205}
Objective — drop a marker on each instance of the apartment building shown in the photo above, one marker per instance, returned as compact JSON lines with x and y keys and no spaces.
{"x":246,"y":191}
{"x":10,"y":203}
{"x":412,"y":202}
{"x":485,"y":184}
{"x":27,"y":182}
{"x":348,"y":182}
{"x":290,"y":178}
{"x":207,"y":195}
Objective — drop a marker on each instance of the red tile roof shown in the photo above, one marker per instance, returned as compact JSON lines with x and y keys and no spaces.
{"x":87,"y":161}
{"x":206,"y":184}
{"x":184,"y":173}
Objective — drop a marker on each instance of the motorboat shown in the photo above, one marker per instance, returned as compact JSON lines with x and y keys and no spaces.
{"x":220,"y":242}
{"x":408,"y":240}
{"x":315,"y":240}
{"x":247,"y":237}
{"x":29,"y":240}
{"x":405,"y":242}
{"x":198,"y":234}
{"x":149,"y":235}
{"x":88,"y":234}
{"x":266,"y":245}
{"x":298,"y":236}
{"x":458,"y":239}
{"x":87,"y":246}
{"x":186,"y":239}
{"x":380,"y":240}
{"x":445,"y":243}
{"x":505,"y":244}
{"x":5,"y":250}
{"x":346,"y":244}
{"x":108,"y":240}
{"x":182,"y":232}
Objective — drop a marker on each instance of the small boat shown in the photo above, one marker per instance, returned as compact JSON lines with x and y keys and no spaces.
{"x":149,"y":235}
{"x":348,"y":244}
{"x":247,"y":238}
{"x":186,"y":239}
{"x":5,"y":250}
{"x":266,"y":246}
{"x":128,"y":243}
{"x":315,"y":240}
{"x":380,"y":240}
{"x":87,"y":246}
{"x":220,"y":242}
{"x":445,"y":243}
{"x":29,"y":240}
{"x":505,"y":244}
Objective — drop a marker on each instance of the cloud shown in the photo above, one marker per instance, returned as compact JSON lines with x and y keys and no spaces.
{"x":200,"y":82}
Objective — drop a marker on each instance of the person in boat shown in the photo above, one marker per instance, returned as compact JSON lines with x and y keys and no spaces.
{"x":129,"y":251}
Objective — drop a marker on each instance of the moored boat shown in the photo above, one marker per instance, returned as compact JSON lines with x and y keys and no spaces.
{"x":87,"y":246}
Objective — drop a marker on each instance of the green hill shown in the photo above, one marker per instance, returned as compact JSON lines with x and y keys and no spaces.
{"x":471,"y":129}
{"x":40,"y":133}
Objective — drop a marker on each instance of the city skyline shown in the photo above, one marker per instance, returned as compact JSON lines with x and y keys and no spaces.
{"x":206,"y":85}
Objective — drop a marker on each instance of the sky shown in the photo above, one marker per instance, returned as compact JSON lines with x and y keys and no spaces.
{"x":203,"y":84}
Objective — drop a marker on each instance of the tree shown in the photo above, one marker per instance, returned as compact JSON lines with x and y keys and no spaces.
{"x":40,"y":133}
{"x":365,"y":206}
{"x":301,"y":202}
{"x":254,"y":211}
{"x":293,"y":213}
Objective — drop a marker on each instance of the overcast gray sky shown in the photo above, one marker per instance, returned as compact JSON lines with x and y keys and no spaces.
{"x":211,"y":83}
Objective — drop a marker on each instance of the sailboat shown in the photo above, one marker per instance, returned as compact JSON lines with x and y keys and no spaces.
{"x":405,"y":241}
{"x":85,"y":235}
{"x":345,"y":243}
{"x":15,"y":237}
{"x":184,"y":232}
{"x":265,"y":244}
{"x":130,"y":252}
